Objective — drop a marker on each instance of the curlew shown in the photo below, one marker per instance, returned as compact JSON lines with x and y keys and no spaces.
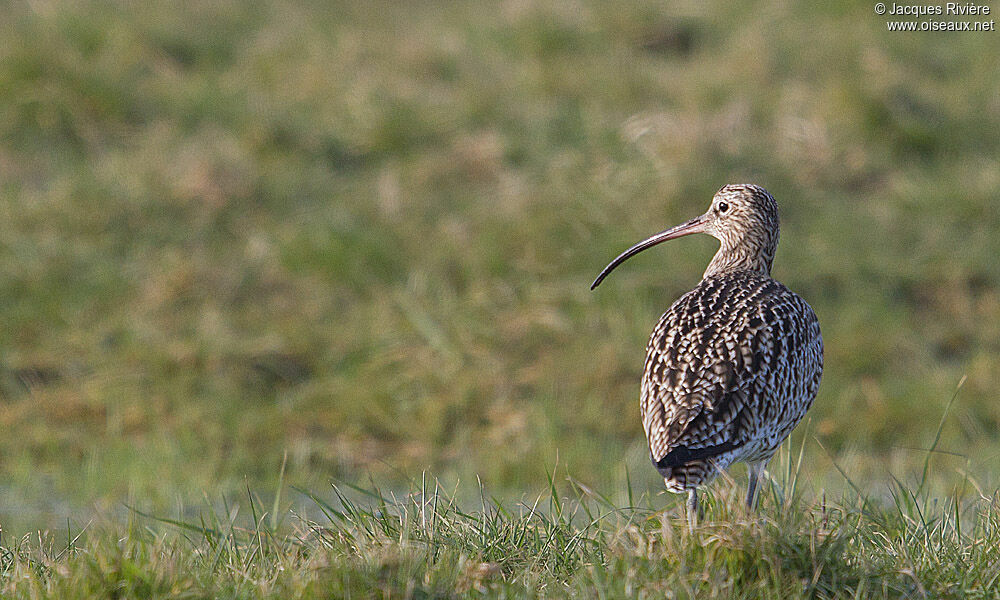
{"x":734,"y":364}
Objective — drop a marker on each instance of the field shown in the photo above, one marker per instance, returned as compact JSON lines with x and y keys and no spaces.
{"x":248,"y":250}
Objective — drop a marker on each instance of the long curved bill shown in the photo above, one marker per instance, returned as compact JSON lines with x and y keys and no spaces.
{"x":695,"y":225}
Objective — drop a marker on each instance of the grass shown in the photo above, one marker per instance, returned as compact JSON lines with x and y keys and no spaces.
{"x":341,"y":240}
{"x":363,"y":542}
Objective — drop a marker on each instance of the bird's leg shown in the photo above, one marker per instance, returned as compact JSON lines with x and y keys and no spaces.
{"x":692,"y":508}
{"x":754,"y":469}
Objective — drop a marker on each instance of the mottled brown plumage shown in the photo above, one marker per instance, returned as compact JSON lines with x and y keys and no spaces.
{"x":734,"y":364}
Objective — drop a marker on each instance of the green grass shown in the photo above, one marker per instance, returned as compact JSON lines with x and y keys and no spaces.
{"x":569,"y":542}
{"x":361,"y":236}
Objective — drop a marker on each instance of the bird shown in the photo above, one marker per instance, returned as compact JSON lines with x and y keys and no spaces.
{"x":734,"y":364}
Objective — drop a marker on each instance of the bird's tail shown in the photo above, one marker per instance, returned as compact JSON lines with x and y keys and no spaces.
{"x":687,"y":476}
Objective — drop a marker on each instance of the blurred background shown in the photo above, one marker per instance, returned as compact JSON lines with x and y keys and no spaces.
{"x":360,"y":235}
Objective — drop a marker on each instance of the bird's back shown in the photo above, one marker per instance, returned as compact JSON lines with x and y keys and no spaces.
{"x":730,"y":369}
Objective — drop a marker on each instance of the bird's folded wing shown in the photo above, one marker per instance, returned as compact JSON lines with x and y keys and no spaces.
{"x":690,"y":431}
{"x":700,"y":409}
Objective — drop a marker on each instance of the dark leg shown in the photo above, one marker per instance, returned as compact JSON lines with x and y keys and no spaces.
{"x":692,"y":508}
{"x":755,"y":469}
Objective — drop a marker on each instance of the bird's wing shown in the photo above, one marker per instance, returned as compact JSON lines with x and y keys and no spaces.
{"x":700,"y":424}
{"x":705,"y":373}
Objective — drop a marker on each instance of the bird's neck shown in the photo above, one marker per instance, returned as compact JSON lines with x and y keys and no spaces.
{"x":740,"y":258}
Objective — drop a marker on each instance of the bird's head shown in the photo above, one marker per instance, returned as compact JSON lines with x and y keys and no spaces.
{"x":743,"y":217}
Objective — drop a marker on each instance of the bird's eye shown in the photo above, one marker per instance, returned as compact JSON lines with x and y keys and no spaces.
{"x":723,"y":207}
